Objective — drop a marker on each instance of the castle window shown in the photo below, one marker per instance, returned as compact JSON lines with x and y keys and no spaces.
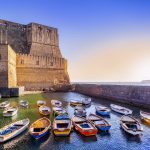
{"x":22,"y":61}
{"x":51,"y":63}
{"x":37,"y":62}
{"x":0,"y":57}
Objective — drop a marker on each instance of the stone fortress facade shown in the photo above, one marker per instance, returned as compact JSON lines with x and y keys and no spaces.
{"x":30,"y":57}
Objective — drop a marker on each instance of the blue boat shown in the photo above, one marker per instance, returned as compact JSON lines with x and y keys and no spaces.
{"x":99,"y":122}
{"x":102,"y":110}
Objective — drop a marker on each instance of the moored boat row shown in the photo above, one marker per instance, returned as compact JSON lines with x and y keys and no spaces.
{"x":62,"y":125}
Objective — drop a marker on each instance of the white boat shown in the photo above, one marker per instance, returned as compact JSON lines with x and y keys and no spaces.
{"x":12,"y":130}
{"x":44,"y":110}
{"x":56,"y":103}
{"x":79,"y":111}
{"x":86,"y":101}
{"x":24,"y":103}
{"x":41,"y":103}
{"x":145,"y":116}
{"x":102,"y":110}
{"x":120,"y":109}
{"x":59,"y":110}
{"x":10,"y":111}
{"x":5,"y":104}
{"x":131,"y":125}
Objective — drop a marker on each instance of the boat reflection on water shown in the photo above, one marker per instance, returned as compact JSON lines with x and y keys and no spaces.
{"x":115,"y":139}
{"x":42,"y":142}
{"x":11,"y":144}
{"x":131,"y":138}
{"x":86,"y":139}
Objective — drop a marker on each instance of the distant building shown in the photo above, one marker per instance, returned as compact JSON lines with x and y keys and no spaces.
{"x":30,"y":57}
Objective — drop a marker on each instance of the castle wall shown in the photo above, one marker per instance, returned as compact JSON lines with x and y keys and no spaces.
{"x":15,"y":35}
{"x":40,"y":72}
{"x":33,"y":59}
{"x":12,"y":78}
{"x":7,"y":67}
{"x":40,"y":78}
{"x":3,"y":66}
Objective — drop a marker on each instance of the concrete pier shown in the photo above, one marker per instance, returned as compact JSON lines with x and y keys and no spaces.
{"x":11,"y":92}
{"x":138,"y":95}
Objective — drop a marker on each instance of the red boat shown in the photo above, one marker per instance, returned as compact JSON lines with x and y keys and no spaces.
{"x":83,"y":126}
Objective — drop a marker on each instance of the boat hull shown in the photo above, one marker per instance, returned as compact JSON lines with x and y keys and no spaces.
{"x":102,"y":113}
{"x":18,"y":132}
{"x":91,"y":132}
{"x":10,"y":115}
{"x":131,"y":132}
{"x":38,"y":136}
{"x":62,"y":133}
{"x":103,"y":128}
{"x":7,"y":105}
{"x":146,"y":120}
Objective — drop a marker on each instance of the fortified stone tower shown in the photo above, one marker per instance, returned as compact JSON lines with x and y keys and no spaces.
{"x":30,"y":56}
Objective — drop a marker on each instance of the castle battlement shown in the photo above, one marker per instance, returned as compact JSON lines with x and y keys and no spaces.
{"x":30,"y":56}
{"x":38,"y":61}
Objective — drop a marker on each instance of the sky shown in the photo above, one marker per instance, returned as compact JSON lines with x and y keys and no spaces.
{"x":103,"y":40}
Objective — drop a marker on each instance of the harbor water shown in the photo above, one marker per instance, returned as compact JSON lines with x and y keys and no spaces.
{"x":116,"y":139}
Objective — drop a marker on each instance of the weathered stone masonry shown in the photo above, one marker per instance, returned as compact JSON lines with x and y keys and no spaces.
{"x":30,"y":56}
{"x":138,"y":95}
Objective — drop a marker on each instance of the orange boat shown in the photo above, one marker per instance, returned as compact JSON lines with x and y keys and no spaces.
{"x":83,"y":126}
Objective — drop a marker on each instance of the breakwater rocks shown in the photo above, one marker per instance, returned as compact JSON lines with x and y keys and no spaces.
{"x":138,"y":95}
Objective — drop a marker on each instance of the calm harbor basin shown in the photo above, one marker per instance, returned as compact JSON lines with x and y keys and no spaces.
{"x":116,"y":139}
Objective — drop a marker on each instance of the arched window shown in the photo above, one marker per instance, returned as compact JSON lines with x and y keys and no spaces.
{"x":22,"y":61}
{"x":51,"y":63}
{"x":37,"y":62}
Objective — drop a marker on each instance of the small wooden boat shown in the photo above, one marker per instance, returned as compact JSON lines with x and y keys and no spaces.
{"x":4,"y":104}
{"x":102,"y":110}
{"x":120,"y":109}
{"x":10,"y":111}
{"x":40,"y":128}
{"x":41,"y":103}
{"x":62,"y":125}
{"x":75,"y":102}
{"x":59,"y":110}
{"x":131,"y":125}
{"x":56,"y":103}
{"x":83,"y":126}
{"x":12,"y":130}
{"x":79,"y":111}
{"x":86,"y":101}
{"x":145,"y":116}
{"x":44,"y":110}
{"x":24,"y":103}
{"x":99,"y":122}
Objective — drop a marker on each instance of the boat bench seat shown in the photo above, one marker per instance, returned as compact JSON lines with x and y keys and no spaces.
{"x":86,"y":126}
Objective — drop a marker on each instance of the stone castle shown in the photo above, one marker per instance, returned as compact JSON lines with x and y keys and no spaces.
{"x":30,"y":57}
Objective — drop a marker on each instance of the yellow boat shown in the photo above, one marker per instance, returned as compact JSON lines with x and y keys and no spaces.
{"x":145,"y":116}
{"x":44,"y":110}
{"x":41,"y":103}
{"x":40,"y":128}
{"x":62,"y":125}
